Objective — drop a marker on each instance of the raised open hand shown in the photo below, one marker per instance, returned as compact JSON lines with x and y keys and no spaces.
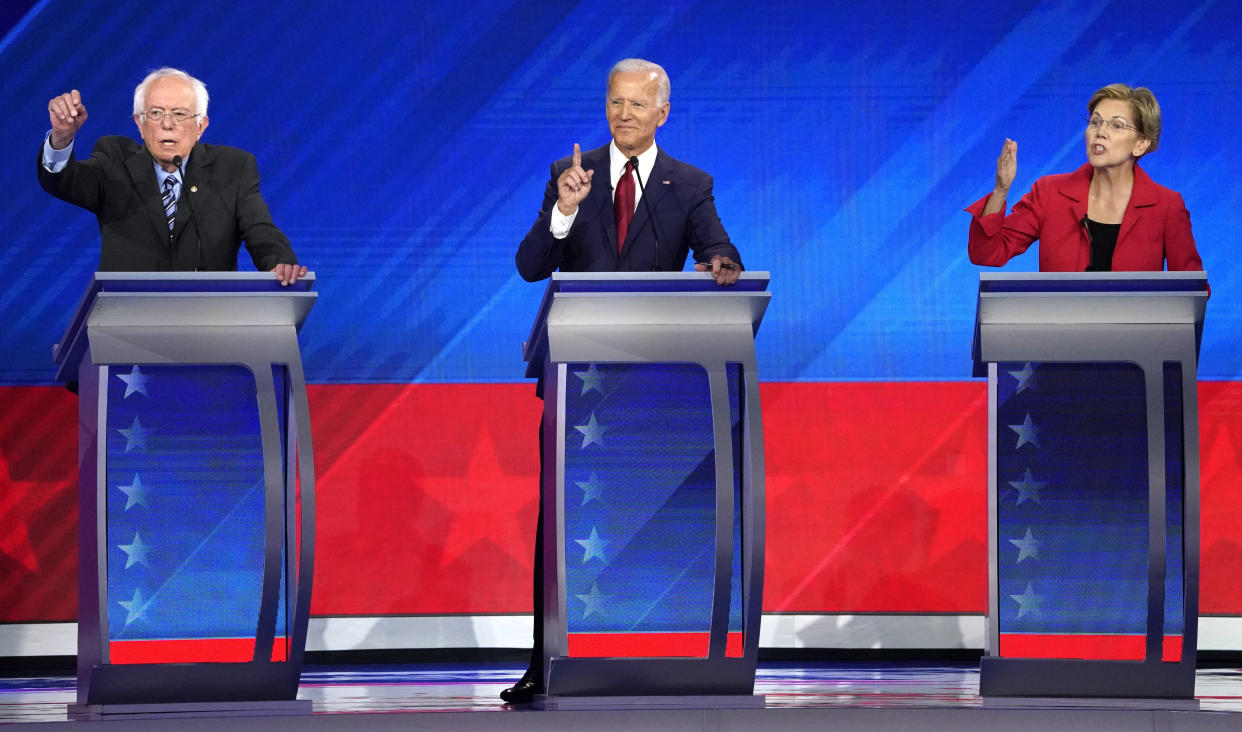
{"x":1006,"y":166}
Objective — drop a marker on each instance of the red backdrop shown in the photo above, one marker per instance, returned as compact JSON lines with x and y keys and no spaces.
{"x":426,"y":498}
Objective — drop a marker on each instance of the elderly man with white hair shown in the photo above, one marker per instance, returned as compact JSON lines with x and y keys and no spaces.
{"x":625,"y":207}
{"x":171,"y":203}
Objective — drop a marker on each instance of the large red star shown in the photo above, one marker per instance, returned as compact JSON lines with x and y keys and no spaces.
{"x":485,"y":505}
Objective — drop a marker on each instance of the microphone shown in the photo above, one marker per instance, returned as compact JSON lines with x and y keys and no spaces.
{"x":198,"y":233}
{"x":655,"y":227}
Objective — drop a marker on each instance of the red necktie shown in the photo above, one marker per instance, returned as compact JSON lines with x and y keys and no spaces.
{"x":623,"y":204}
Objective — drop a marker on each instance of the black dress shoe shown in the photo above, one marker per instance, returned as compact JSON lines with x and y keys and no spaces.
{"x":523,"y":692}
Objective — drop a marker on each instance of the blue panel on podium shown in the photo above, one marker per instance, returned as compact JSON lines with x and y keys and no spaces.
{"x":640,"y":524}
{"x":185,"y":503}
{"x":638,"y":546}
{"x":1072,"y":527}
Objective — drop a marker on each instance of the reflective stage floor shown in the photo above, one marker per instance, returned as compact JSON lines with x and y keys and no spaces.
{"x":796,"y":696}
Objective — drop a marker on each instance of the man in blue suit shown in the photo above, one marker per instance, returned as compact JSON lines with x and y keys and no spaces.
{"x":584,"y":226}
{"x":579,"y":222}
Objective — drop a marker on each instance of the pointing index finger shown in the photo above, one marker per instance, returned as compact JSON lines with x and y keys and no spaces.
{"x":577,"y":156}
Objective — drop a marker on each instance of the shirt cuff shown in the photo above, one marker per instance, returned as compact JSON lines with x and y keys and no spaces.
{"x":55,"y":160}
{"x":561,"y":224}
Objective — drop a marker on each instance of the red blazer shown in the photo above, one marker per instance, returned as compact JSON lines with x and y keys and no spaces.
{"x":1155,"y":228}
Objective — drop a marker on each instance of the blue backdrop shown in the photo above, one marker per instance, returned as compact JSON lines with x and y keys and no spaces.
{"x":405,"y":148}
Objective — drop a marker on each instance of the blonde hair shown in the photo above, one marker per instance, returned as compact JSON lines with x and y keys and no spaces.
{"x":1142,"y":101}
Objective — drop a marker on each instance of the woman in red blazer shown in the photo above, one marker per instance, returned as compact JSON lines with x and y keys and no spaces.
{"x":1107,"y":215}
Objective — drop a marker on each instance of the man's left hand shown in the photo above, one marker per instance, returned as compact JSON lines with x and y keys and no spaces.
{"x":724,"y":270}
{"x":289,"y":273}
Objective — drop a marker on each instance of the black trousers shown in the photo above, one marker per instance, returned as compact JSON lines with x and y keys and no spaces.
{"x":535,"y":670}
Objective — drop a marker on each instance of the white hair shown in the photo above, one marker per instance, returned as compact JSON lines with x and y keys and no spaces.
{"x":642,"y":66}
{"x":200,"y":89}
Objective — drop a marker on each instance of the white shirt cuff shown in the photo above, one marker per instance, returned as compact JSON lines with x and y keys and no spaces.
{"x":561,"y":224}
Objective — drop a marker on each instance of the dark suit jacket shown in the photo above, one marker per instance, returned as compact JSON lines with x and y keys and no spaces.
{"x":117,"y":184}
{"x":1155,"y":227}
{"x":680,"y":199}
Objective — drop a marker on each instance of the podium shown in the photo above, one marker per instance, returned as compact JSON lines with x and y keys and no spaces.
{"x":653,"y":497}
{"x":196,"y":493}
{"x":1093,"y":482}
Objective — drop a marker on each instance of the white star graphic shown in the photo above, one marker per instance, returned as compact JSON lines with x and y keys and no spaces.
{"x":135,"y":381}
{"x":135,"y":494}
{"x":1027,"y":432}
{"x":135,"y":608}
{"x":591,"y":380}
{"x":1028,"y":602}
{"x":136,"y":552}
{"x":592,"y":431}
{"x":594,"y":546}
{"x":135,"y":436}
{"x":1028,"y":546}
{"x":592,"y":489}
{"x":594,"y":601}
{"x":1025,"y":377}
{"x":1028,"y":488}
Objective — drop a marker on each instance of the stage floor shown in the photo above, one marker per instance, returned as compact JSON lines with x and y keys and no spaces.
{"x":860,"y":696}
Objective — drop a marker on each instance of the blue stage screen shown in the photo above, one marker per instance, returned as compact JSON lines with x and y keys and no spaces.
{"x":405,"y":148}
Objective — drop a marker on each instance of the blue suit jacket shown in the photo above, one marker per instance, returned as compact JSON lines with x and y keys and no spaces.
{"x":680,"y":199}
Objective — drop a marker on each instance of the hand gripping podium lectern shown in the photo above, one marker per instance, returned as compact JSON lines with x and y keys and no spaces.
{"x":652,"y":492}
{"x":196,"y":492}
{"x":1093,"y":482}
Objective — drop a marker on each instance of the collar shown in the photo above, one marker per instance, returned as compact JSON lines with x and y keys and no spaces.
{"x":1077,"y":186}
{"x":617,"y":161}
{"x":161,"y":175}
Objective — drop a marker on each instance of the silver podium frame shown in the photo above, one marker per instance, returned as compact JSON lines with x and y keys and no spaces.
{"x":244,"y":319}
{"x":1143,"y":318}
{"x":655,"y":318}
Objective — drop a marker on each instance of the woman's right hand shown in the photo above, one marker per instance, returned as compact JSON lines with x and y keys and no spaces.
{"x":1006,"y":167}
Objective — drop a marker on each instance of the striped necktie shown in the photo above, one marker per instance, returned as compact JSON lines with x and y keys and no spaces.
{"x":170,"y":200}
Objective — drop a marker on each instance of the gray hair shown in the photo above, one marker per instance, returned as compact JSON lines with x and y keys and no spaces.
{"x":646,"y":67}
{"x":200,"y":89}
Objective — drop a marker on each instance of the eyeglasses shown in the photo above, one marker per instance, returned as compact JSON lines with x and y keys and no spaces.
{"x":178,"y":116}
{"x":1116,"y":124}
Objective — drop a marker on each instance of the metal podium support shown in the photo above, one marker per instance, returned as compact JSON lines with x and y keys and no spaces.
{"x":1093,"y":482}
{"x":196,"y":493}
{"x":653,"y":493}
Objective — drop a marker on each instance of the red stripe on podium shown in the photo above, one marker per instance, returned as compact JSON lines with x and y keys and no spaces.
{"x":648,"y":645}
{"x":195,"y":650}
{"x":1087,"y":646}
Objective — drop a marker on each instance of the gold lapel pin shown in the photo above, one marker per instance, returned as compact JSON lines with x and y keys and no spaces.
{"x":193,"y":189}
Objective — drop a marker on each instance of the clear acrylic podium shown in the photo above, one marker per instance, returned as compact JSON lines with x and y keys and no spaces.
{"x":653,"y":483}
{"x":1093,"y":482}
{"x":196,"y":493}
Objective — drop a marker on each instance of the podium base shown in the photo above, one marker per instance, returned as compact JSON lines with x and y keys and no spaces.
{"x":1051,"y":702}
{"x":602,"y":703}
{"x":82,"y":712}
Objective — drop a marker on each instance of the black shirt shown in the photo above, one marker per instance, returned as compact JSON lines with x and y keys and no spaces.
{"x":1103,"y":238}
